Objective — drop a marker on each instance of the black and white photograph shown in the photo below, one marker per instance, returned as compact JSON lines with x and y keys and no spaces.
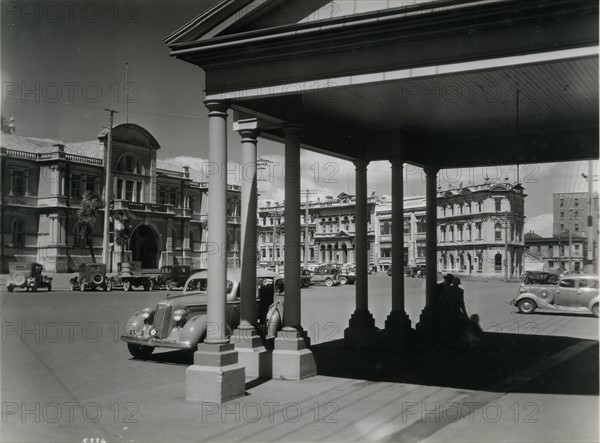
{"x":299,"y":221}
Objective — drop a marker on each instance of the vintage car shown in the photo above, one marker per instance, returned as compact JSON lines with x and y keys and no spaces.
{"x":179,"y":321}
{"x":91,"y":276}
{"x":305,"y":278}
{"x":171,"y":276}
{"x":129,"y":275}
{"x":27,"y":275}
{"x":347,"y":275}
{"x":571,"y":293}
{"x":327,"y":274}
{"x":540,"y":277}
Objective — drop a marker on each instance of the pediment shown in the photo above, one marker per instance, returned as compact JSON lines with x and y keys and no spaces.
{"x":229,"y":17}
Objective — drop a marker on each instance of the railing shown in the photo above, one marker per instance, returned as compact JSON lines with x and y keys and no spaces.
{"x":43,"y":156}
{"x":143,"y":207}
{"x":169,"y":173}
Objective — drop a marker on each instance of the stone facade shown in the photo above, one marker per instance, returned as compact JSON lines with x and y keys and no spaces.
{"x":43,"y":182}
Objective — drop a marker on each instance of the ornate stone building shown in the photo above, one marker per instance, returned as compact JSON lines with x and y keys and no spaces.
{"x":479,"y":227}
{"x":43,"y":182}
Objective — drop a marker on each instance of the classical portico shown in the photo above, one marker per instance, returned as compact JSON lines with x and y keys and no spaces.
{"x":430,"y":86}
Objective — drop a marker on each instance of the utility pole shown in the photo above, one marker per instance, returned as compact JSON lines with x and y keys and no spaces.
{"x":506,"y":258}
{"x":107,"y":191}
{"x":570,"y":255}
{"x":275,"y":223}
{"x":307,"y":193}
{"x":590,"y":268}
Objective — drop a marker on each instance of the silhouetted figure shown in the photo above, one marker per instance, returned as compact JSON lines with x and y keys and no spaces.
{"x":454,"y":318}
{"x":437,"y":304}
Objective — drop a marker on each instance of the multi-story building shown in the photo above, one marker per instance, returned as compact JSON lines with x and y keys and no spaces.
{"x":480,"y":229}
{"x":43,"y":182}
{"x":552,"y":254}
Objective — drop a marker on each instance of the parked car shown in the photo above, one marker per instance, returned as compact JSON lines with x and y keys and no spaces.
{"x":540,"y":277}
{"x":572,"y":293}
{"x":347,"y":275}
{"x":372,"y":270}
{"x":389,"y":271}
{"x":179,"y":321}
{"x":305,"y":278}
{"x":326,"y":274}
{"x":91,"y":276}
{"x":27,"y":275}
{"x":129,"y":275}
{"x":171,"y":276}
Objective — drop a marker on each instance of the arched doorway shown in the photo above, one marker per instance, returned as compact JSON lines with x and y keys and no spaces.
{"x":144,"y":246}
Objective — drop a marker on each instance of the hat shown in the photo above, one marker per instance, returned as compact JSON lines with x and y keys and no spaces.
{"x":456,"y":281}
{"x":449,"y":278}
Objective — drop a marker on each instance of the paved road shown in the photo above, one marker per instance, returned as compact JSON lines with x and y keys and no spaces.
{"x":66,"y":376}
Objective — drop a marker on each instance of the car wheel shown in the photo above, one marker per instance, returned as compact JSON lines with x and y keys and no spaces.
{"x":595,"y":310}
{"x":127,"y":286}
{"x":140,"y":351}
{"x":329,"y":282}
{"x":169,"y":285}
{"x":49,"y":287}
{"x":19,"y":279}
{"x":10,"y":288}
{"x":343,"y":281}
{"x":98,"y":279}
{"x":526,"y":306}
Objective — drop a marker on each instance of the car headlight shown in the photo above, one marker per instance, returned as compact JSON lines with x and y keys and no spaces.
{"x":179,"y":314}
{"x":146,"y":312}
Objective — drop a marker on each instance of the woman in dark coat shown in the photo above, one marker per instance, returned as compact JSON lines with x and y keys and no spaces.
{"x":453,"y":315}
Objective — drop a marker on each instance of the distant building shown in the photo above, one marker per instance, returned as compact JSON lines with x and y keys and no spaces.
{"x":552,"y":254}
{"x":43,"y":182}
{"x":480,"y":229}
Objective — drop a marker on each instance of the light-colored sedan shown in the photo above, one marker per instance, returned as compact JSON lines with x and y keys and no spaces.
{"x":180,"y":320}
{"x":571,"y":293}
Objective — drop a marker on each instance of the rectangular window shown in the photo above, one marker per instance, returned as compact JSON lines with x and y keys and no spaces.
{"x":138,"y":191}
{"x":421,"y":225}
{"x":550,"y":264}
{"x":421,"y":251}
{"x":498,"y":204}
{"x":562,"y":202}
{"x":173,"y":197}
{"x":562,"y":215}
{"x":162,"y":195}
{"x":191,"y":203}
{"x":406,"y":226}
{"x":264,"y":253}
{"x":576,"y":202}
{"x":18,"y":181}
{"x":562,"y":227}
{"x":129,"y":190}
{"x":386,"y":253}
{"x":90,"y":184}
{"x":75,"y":186}
{"x":576,"y":248}
{"x":576,"y":227}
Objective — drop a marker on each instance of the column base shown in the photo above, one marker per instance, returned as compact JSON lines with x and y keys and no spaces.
{"x":252,"y":353}
{"x":216,"y":376}
{"x":361,"y":332}
{"x":398,"y":333}
{"x":428,"y":326}
{"x":291,"y":358}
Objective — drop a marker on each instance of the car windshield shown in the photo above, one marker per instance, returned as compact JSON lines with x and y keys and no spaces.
{"x":200,"y":284}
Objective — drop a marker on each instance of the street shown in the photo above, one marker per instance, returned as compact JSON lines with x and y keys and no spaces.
{"x":67,"y":377}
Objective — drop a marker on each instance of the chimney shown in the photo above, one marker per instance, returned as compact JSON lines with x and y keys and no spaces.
{"x":186,"y":171}
{"x":61,"y":150}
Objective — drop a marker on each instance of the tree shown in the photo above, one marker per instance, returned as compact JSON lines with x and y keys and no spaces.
{"x":87,"y":215}
{"x":122,"y":235}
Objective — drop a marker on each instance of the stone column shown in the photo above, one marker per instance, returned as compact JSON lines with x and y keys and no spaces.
{"x":251,"y":352}
{"x":361,"y":330}
{"x":291,"y":358}
{"x":216,"y":375}
{"x":426,"y":326}
{"x":398,"y":324}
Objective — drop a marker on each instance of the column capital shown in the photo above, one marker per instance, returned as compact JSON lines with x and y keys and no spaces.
{"x":293,"y":129}
{"x":361,"y":163}
{"x":397,"y":161}
{"x":217,"y":107}
{"x":249,"y":135}
{"x":431,"y":170}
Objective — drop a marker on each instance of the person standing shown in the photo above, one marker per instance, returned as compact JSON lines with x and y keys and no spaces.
{"x":437,"y":304}
{"x":454,"y":317}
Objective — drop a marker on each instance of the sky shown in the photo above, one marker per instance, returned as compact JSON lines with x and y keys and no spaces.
{"x":63,"y":63}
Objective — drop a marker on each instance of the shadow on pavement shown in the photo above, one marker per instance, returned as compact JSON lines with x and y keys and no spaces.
{"x":494,"y":367}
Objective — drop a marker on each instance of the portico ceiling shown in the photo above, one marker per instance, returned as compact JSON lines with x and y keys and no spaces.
{"x":437,"y":87}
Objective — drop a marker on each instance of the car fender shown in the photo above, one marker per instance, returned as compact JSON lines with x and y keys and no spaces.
{"x":135,"y":322}
{"x":542,"y":304}
{"x":593,"y":301}
{"x":274,"y":320}
{"x":194,"y":329}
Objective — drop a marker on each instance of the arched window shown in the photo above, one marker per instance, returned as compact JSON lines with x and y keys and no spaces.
{"x":451,"y":261}
{"x":498,"y":262}
{"x":18,"y":232}
{"x":130,"y":164}
{"x":498,"y":231}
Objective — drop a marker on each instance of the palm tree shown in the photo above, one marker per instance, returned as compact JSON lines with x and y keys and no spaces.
{"x":87,"y":215}
{"x":122,"y":235}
